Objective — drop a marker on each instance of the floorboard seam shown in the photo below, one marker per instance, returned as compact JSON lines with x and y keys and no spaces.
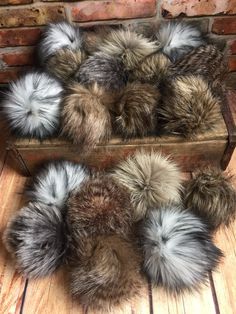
{"x":214,"y":295}
{"x":23,"y":296}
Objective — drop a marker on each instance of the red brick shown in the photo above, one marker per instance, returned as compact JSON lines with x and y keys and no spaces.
{"x":224,"y":26}
{"x":19,"y":37}
{"x":106,"y":10}
{"x":10,"y":74}
{"x":232,"y":63}
{"x":36,"y":15}
{"x":197,"y":7}
{"x":232,"y":46}
{"x":19,"y":57}
{"x":6,"y":2}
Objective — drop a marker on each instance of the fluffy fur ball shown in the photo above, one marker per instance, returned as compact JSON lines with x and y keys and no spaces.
{"x":211,"y":195}
{"x":101,"y":206}
{"x":86,"y":120}
{"x":188,"y":107}
{"x":65,"y":63}
{"x":107,"y":71}
{"x":55,"y":181}
{"x":178,"y":38}
{"x":129,"y":46}
{"x":151,"y":178}
{"x":207,"y":61}
{"x":32,"y":106}
{"x":178,"y":249}
{"x":36,"y":238}
{"x":108,"y":273}
{"x":135,"y":111}
{"x":152,"y":69}
{"x":57,"y":36}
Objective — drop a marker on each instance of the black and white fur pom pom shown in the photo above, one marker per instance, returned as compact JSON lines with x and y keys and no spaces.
{"x":57,"y":36}
{"x":178,"y":249}
{"x":36,"y":238}
{"x":178,"y":38}
{"x":32,"y":106}
{"x":55,"y":181}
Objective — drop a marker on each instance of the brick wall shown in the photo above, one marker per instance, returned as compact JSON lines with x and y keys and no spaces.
{"x":22,"y":21}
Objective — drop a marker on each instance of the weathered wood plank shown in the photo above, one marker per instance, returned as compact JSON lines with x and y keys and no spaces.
{"x":11,"y":283}
{"x":189,"y":154}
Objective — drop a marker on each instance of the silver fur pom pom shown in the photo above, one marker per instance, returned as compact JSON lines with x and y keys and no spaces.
{"x":55,"y":181}
{"x":178,"y":38}
{"x":178,"y":249}
{"x":57,"y":36}
{"x":32,"y":106}
{"x":36,"y":238}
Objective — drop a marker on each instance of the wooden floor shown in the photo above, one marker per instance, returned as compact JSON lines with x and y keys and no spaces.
{"x":49,"y":295}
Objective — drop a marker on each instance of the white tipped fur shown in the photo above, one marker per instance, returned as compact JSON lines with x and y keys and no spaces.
{"x":129,"y":46}
{"x":32,"y":106}
{"x":178,"y":249}
{"x":55,"y":181}
{"x":178,"y":38}
{"x":57,"y":36}
{"x":152,"y":179}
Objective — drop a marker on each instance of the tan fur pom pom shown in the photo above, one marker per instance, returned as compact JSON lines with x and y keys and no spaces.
{"x":152,"y":179}
{"x":129,"y":46}
{"x":188,"y":106}
{"x":107,"y":274}
{"x":65,"y":63}
{"x":135,"y":112}
{"x":85,"y":119}
{"x":211,"y":195}
{"x":152,"y":69}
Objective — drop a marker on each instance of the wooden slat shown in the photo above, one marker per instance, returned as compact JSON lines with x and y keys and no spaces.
{"x":225,"y":278}
{"x":11,"y":283}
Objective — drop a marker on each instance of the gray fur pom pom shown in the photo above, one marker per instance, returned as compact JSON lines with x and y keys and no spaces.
{"x":178,"y":249}
{"x":36,"y":239}
{"x":107,"y":71}
{"x":55,"y":181}
{"x":32,"y":106}
{"x":178,"y":38}
{"x":57,"y":36}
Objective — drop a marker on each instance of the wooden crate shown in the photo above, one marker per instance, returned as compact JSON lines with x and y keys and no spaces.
{"x":215,"y":147}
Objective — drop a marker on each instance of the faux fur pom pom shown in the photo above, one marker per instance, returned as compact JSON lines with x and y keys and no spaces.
{"x":178,"y":38}
{"x":108,"y":274}
{"x":55,"y":181}
{"x":65,"y":63}
{"x":58,"y":36}
{"x":32,"y":106}
{"x":86,"y":120}
{"x":188,"y":106}
{"x":178,"y":249}
{"x":211,"y":195}
{"x":100,"y":207}
{"x":135,"y":111}
{"x":36,"y":238}
{"x":152,"y":179}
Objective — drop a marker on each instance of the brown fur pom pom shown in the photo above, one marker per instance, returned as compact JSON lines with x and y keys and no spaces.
{"x":152,"y":179}
{"x":65,"y":63}
{"x":101,"y":206}
{"x":85,"y":118}
{"x":152,"y":69}
{"x":135,"y":112}
{"x":188,"y":106}
{"x":105,"y":273}
{"x":207,"y":61}
{"x":211,"y":195}
{"x":129,"y":46}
